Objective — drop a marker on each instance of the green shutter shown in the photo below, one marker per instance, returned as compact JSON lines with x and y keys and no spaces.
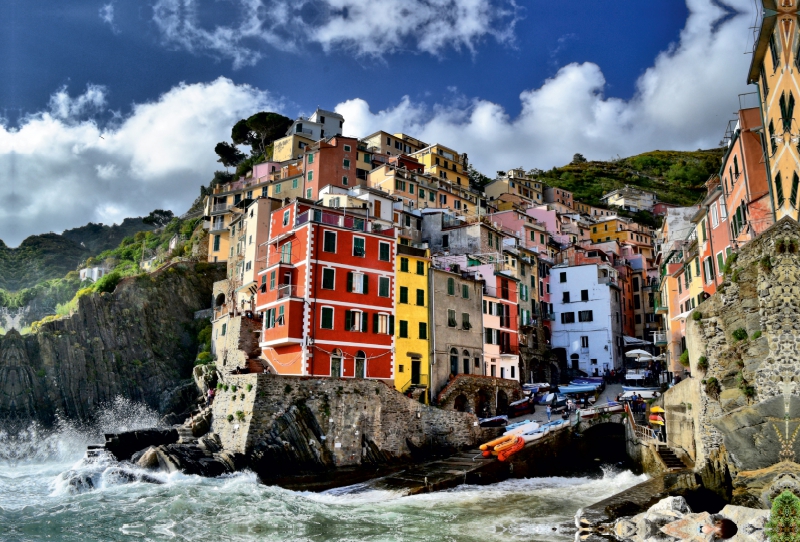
{"x":720,"y":263}
{"x":384,"y":252}
{"x":375,"y":322}
{"x":404,"y":265}
{"x":420,"y":268}
{"x":423,"y":330}
{"x":366,"y":284}
{"x":403,"y":329}
{"x":793,"y":199}
{"x":364,"y":322}
{"x":778,"y":189}
{"x":348,"y":320}
{"x":451,"y":286}
{"x":349,"y":281}
{"x":403,"y":294}
{"x":421,"y":298}
{"x":391,"y":325}
{"x":327,"y":318}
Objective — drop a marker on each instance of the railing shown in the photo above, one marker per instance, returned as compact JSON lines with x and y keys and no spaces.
{"x":422,"y":381}
{"x":303,"y":131}
{"x":548,"y":316}
{"x":220,"y":207}
{"x":217,"y":226}
{"x":287,"y":290}
{"x":509,"y":349}
{"x":660,"y":339}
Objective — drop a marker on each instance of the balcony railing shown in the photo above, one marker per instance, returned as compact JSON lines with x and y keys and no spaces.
{"x":549,"y":316}
{"x":511,"y":350}
{"x":218,"y":226}
{"x":660,"y":339}
{"x":349,"y":222}
{"x":219,"y":207}
{"x":287,"y":290}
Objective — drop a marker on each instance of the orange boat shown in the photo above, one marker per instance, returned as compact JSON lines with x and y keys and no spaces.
{"x":505,"y":445}
{"x":508,"y":451}
{"x":492,"y":443}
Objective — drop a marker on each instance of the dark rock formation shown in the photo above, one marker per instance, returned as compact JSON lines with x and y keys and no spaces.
{"x":135,"y":343}
{"x":124,"y":445}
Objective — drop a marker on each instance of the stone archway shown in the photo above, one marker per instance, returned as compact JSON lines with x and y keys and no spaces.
{"x":483,"y":404}
{"x":502,"y":403}
{"x":460,"y":403}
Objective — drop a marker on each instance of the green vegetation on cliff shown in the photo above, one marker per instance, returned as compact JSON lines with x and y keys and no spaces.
{"x":675,"y":176}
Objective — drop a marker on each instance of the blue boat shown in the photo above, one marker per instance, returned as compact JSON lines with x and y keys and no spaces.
{"x":577,"y":389}
{"x":641,"y":388}
{"x":595,"y":385}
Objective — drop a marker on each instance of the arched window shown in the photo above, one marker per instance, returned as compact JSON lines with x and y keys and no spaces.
{"x":465,"y":355}
{"x":575,"y":360}
{"x":336,"y":364}
{"x":453,"y":361}
{"x":361,"y":364}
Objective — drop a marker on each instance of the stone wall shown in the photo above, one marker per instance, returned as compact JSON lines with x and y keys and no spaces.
{"x":478,"y":392}
{"x":321,"y":423}
{"x":748,"y":410}
{"x":683,"y":403}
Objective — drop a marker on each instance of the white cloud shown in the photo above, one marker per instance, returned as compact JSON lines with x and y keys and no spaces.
{"x":60,"y":171}
{"x":682,"y":102}
{"x":366,"y":27}
{"x":106,"y":14}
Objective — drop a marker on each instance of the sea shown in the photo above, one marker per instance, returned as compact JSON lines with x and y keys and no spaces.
{"x":40,"y":499}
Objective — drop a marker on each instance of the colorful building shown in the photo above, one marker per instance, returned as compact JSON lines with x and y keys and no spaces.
{"x":413,"y":326}
{"x":327,"y":294}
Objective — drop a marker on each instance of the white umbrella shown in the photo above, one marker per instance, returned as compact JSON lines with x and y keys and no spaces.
{"x":638,"y":353}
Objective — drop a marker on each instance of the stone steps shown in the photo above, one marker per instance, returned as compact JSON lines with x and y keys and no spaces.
{"x":672,"y":461}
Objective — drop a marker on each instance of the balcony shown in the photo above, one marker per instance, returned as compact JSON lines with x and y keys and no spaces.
{"x":660,"y":339}
{"x":509,"y":350}
{"x":286,"y":290}
{"x":548,"y":316}
{"x":220,"y":207}
{"x":661,"y":309}
{"x":349,"y":222}
{"x":218,"y":226}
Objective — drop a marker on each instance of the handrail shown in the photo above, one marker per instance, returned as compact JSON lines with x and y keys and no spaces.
{"x":423,"y":381}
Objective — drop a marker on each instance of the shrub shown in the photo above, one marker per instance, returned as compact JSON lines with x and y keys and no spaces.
{"x":107,"y":283}
{"x":241,"y":397}
{"x":697,"y":316}
{"x":728,"y":267}
{"x":712,"y":387}
{"x":219,"y":385}
{"x":702,"y":363}
{"x":240,"y":415}
{"x":204,"y":358}
{"x":766,"y":264}
{"x":735,"y":276}
{"x":41,"y":373}
{"x":225,"y":387}
{"x":684,"y":359}
{"x":233,"y":388}
{"x":249,"y":387}
{"x":287,"y":389}
{"x":780,"y":246}
{"x":756,"y":335}
{"x":749,"y":391}
{"x":740,"y":334}
{"x":230,"y":417}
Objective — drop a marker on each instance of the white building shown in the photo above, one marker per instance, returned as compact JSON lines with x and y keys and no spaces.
{"x":380,"y":204}
{"x":318,"y":126}
{"x":631,"y":199}
{"x":588,"y":320}
{"x":93,"y":273}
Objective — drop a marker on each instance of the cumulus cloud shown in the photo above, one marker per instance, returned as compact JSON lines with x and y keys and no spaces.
{"x":61,"y":169}
{"x":366,"y":27}
{"x":682,"y":102}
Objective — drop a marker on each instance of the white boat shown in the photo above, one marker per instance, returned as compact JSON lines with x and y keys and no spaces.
{"x":532,"y":426}
{"x":641,"y":393}
{"x":641,"y":388}
{"x":517,"y":424}
{"x":534,"y":435}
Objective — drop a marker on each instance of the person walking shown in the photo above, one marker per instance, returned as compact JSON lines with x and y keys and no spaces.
{"x":549,"y":412}
{"x":210,"y":397}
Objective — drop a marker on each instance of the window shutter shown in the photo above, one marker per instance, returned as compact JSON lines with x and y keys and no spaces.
{"x":348,"y":320}
{"x":349,"y":281}
{"x":375,"y":322}
{"x":391,"y":325}
{"x":366,"y":284}
{"x":364,"y":322}
{"x":487,"y":336}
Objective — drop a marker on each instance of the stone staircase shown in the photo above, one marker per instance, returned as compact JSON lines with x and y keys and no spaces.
{"x":672,"y":461}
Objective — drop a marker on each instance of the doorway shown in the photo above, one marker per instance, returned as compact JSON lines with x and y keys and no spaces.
{"x":416,"y":366}
{"x":336,"y":364}
{"x":361,"y":364}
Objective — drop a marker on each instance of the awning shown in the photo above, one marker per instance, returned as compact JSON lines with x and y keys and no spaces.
{"x":247,"y":286}
{"x":682,"y":316}
{"x":629,"y":341}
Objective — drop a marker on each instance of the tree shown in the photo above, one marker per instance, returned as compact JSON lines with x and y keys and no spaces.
{"x":158,"y":218}
{"x":477,"y":178}
{"x":259,"y":131}
{"x":578,"y":158}
{"x":229,"y":156}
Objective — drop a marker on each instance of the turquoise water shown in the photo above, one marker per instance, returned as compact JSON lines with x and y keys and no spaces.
{"x":38,"y":503}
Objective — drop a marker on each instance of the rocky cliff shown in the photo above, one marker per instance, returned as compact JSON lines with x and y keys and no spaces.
{"x":138,"y":342}
{"x":745,"y":356}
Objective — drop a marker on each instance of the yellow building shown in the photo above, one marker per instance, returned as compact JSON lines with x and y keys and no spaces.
{"x":515,"y":182}
{"x":776,"y":73}
{"x":444,"y":163}
{"x":624,"y":231}
{"x":413,"y":329}
{"x":290,"y":147}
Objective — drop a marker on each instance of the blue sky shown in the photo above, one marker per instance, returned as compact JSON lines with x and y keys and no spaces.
{"x":116,"y":105}
{"x":50,"y":45}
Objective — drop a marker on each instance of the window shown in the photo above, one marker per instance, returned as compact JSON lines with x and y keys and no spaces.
{"x":272,"y":280}
{"x":720,"y":262}
{"x":310,"y":176}
{"x":358,"y":247}
{"x":326,"y":321}
{"x":451,"y":318}
{"x":445,"y":241}
{"x":358,"y":283}
{"x":562,"y":277}
{"x":356,"y":321}
{"x":346,"y":163}
{"x":383,"y":252}
{"x":216,"y":243}
{"x":347,"y":148}
{"x":383,"y":323}
{"x":465,"y":321}
{"x":224,"y":329}
{"x":286,"y":253}
{"x":403,"y":294}
{"x":637,"y":304}
{"x":451,"y":286}
{"x":565,"y":297}
{"x":423,"y":330}
{"x":310,"y":158}
{"x":328,"y":279}
{"x":585,"y":316}
{"x":308,"y":193}
{"x":404,"y":265}
{"x":403,"y":332}
{"x":344,"y":180}
{"x":286,"y":215}
{"x":584,"y":341}
{"x":383,"y":286}
{"x":793,"y":198}
{"x":703,"y":230}
{"x":584,"y":295}
{"x":773,"y":143}
{"x":280,"y":320}
{"x":420,"y":298}
{"x":329,"y":241}
{"x":567,"y":317}
{"x":714,"y":215}
{"x":465,"y":291}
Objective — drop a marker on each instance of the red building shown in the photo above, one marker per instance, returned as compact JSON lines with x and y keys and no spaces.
{"x":327,"y":294}
{"x":331,"y":162}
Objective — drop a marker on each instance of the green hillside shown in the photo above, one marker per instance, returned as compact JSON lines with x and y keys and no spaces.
{"x":675,"y":176}
{"x":99,"y":237}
